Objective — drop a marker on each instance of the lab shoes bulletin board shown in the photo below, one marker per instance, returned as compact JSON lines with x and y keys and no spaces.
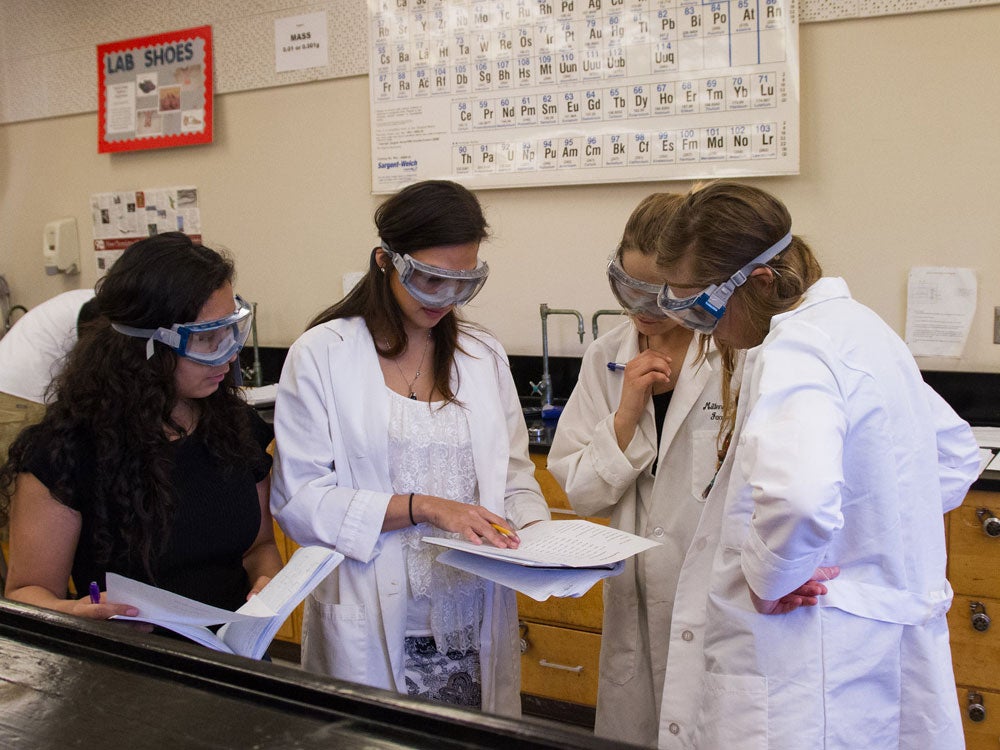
{"x":155,"y":91}
{"x":505,"y":93}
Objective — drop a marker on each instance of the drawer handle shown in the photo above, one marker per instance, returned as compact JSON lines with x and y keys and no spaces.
{"x":552,"y":665}
{"x":976,"y":709}
{"x":991,"y":524}
{"x":980,"y":620}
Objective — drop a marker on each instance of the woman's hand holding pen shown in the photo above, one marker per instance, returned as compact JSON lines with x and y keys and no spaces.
{"x":648,"y":369}
{"x":474,"y":522}
{"x":95,"y":607}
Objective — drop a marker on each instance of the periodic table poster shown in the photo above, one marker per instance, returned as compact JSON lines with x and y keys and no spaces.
{"x":507,"y":93}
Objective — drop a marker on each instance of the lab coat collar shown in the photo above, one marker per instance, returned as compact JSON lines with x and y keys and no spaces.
{"x":826,"y":289}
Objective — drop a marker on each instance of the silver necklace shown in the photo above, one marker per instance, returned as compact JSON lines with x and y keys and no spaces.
{"x":420,"y":364}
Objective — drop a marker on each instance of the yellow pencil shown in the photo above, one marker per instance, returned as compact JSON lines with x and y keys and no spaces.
{"x":502,"y":530}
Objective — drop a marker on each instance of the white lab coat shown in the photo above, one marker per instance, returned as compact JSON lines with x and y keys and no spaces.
{"x":331,"y":486}
{"x":34,"y":350}
{"x":601,"y":480}
{"x":841,"y":455}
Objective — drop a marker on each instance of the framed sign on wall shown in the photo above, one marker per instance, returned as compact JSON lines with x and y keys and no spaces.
{"x":155,"y":91}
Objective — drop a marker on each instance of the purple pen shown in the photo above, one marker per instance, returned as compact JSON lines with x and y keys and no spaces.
{"x":95,"y":593}
{"x":616,"y":366}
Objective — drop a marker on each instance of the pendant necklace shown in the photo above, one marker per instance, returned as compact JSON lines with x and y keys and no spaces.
{"x":416,"y":376}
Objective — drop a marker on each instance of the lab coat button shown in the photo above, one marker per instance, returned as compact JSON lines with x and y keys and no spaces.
{"x":700,"y":544}
{"x":687,"y":635}
{"x":658,"y":531}
{"x":674,"y":728}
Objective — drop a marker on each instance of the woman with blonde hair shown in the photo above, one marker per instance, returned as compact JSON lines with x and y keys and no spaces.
{"x":811,"y":606}
{"x":636,"y":444}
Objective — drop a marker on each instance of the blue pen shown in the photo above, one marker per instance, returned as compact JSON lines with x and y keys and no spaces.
{"x":95,"y":593}
{"x":616,"y":366}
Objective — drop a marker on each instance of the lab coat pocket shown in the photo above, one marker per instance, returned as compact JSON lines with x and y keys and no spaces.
{"x":335,"y":639}
{"x":733,"y":713}
{"x":704,"y":457}
{"x":621,"y":639}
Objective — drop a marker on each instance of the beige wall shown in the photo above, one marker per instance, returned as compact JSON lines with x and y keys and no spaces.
{"x":899,"y":166}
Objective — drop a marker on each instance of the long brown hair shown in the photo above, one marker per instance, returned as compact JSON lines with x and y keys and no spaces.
{"x":433,"y":213}
{"x":112,"y":401}
{"x":720,"y":227}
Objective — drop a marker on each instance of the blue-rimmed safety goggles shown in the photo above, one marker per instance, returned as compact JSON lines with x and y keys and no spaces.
{"x":701,"y":312}
{"x":209,"y":342}
{"x":635,"y":296}
{"x":436,"y":287}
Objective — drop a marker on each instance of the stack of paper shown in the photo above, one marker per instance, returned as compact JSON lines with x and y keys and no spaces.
{"x":555,"y":558}
{"x":249,"y":630}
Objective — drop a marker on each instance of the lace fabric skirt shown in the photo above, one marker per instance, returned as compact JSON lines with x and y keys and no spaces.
{"x":454,"y":677}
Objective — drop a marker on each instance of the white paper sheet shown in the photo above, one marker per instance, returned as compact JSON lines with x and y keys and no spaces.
{"x":940,"y":304}
{"x":159,"y":605}
{"x":538,"y":583}
{"x":985,"y":457}
{"x":987,"y":437}
{"x":560,"y":544}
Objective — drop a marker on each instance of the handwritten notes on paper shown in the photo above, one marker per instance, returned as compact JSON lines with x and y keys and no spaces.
{"x":560,"y":544}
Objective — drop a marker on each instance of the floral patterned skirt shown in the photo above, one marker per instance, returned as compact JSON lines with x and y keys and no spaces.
{"x":455,"y":677}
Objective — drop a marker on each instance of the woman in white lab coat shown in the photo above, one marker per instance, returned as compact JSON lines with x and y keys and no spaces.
{"x":638,"y":445}
{"x":811,"y":607}
{"x":394,"y":420}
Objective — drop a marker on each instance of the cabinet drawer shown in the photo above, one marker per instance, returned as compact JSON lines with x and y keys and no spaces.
{"x":974,"y":557}
{"x":584,"y":612}
{"x":560,"y":663}
{"x":980,"y":735}
{"x":975,"y":654}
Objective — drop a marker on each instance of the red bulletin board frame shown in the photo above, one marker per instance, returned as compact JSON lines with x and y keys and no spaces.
{"x":138,"y":47}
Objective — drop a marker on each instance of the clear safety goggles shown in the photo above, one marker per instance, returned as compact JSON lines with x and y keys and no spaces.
{"x":436,"y":287}
{"x":209,"y":342}
{"x":701,"y":312}
{"x":637,"y":297}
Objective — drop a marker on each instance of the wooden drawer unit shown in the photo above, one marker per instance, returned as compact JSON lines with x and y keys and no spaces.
{"x":583,"y":613}
{"x":975,"y":654}
{"x":974,"y":618}
{"x":985,"y":734}
{"x":973,"y":555}
{"x":559,"y":663}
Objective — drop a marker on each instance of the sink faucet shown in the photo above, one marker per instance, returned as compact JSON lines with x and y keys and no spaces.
{"x":256,"y":371}
{"x":599,"y":313}
{"x":544,"y":387}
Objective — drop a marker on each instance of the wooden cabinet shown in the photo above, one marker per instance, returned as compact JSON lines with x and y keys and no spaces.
{"x":291,"y":630}
{"x":560,"y":638}
{"x":974,"y":572}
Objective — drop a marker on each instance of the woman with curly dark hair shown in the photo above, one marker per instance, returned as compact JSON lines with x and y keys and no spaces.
{"x":148,"y":463}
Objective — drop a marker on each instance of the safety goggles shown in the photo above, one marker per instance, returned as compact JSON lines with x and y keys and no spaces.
{"x":435,"y":287}
{"x":637,"y":297}
{"x":209,"y":342}
{"x":701,"y":312}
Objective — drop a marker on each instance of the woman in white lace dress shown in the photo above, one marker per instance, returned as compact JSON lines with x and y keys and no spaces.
{"x":396,"y":420}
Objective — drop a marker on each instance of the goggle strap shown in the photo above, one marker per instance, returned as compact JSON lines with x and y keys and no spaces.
{"x":744,"y":273}
{"x":724,"y":291}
